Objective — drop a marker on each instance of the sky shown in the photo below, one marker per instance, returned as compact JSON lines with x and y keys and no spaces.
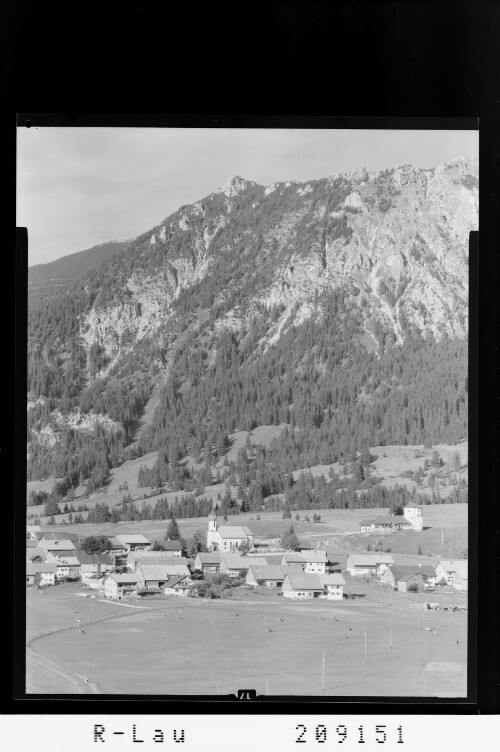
{"x":78,"y":187}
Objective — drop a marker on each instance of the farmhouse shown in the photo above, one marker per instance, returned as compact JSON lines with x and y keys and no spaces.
{"x":67,"y":568}
{"x":59,"y":547}
{"x":133,"y":542}
{"x":35,"y":555}
{"x":293,"y":558}
{"x":93,"y":564}
{"x":40,"y":574}
{"x":409,"y":582}
{"x":172,"y":547}
{"x":235,"y":565}
{"x":394,"y":573}
{"x":227,"y":537}
{"x":117,"y":586}
{"x":411,"y":519}
{"x":207,"y":562}
{"x":368,"y":564}
{"x":315,"y":561}
{"x":333,"y":585}
{"x":155,"y":575}
{"x":135,"y":558}
{"x":73,"y":537}
{"x":302,"y":586}
{"x":178,"y":585}
{"x":95,"y":581}
{"x":270,"y":575}
{"x":454,"y":572}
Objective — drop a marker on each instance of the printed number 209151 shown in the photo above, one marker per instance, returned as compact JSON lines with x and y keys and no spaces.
{"x":341,"y":733}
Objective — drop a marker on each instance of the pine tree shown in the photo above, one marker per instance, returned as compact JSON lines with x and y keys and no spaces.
{"x":172,"y":532}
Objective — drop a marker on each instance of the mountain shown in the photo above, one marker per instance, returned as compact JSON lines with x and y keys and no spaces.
{"x":336,"y":307}
{"x":70,"y":267}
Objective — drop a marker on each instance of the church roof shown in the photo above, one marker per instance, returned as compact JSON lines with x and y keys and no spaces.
{"x":234,"y":531}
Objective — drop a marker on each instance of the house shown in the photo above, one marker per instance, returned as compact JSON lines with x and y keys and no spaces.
{"x":207,"y":562}
{"x":156,"y":575}
{"x":411,"y":519}
{"x":31,"y":531}
{"x":409,"y":582}
{"x":270,"y":575}
{"x":73,"y":537}
{"x":59,"y":547}
{"x":173,"y":547}
{"x":454,"y":572}
{"x":135,"y":558}
{"x":227,"y":537}
{"x":41,"y":574}
{"x":35,"y":555}
{"x":95,"y":581}
{"x":178,"y":585}
{"x":394,"y":573}
{"x":301,"y":586}
{"x":68,"y":567}
{"x":315,"y":559}
{"x":368,"y":564}
{"x":235,"y":565}
{"x":333,"y":585}
{"x":31,"y":542}
{"x":131,"y":542}
{"x":118,"y":586}
{"x":93,"y":564}
{"x":293,"y":558}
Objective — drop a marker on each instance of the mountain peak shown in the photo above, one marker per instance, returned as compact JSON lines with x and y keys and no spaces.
{"x":234,"y":185}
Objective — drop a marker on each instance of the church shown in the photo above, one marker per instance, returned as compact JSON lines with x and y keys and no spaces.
{"x":226,"y":538}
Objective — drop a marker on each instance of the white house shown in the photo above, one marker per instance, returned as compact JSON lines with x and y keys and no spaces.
{"x":396,"y":572}
{"x":227,"y":538}
{"x":368,"y":564}
{"x":333,"y":585}
{"x":153,"y":576}
{"x":411,"y":519}
{"x":59,"y":547}
{"x":93,"y":564}
{"x":118,"y":586}
{"x":410,"y":581}
{"x":293,"y":558}
{"x":134,"y":542}
{"x":315,"y":560}
{"x":270,"y":575}
{"x":32,"y":530}
{"x":454,"y":572}
{"x":172,"y":547}
{"x":41,"y":574}
{"x":302,"y":586}
{"x":68,"y":567}
{"x":179,"y":585}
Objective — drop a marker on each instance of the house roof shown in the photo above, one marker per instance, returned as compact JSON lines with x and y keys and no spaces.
{"x":171,"y":545}
{"x":407,"y":577}
{"x":67,"y":561}
{"x":209,"y":558}
{"x":172,"y":581}
{"x":332,"y":579}
{"x":391,"y":519}
{"x":233,"y":561}
{"x":302,"y":581}
{"x":61,"y":544}
{"x":404,"y":570}
{"x":129,"y":538}
{"x":455,"y":565}
{"x":84,"y":558}
{"x":122,"y":579}
{"x":32,"y":553}
{"x":161,"y":571}
{"x":370,"y":560}
{"x":314,"y":556}
{"x":58,"y":536}
{"x":274,"y":571}
{"x":31,"y":542}
{"x":234,"y":531}
{"x":60,"y":554}
{"x":156,"y":557}
{"x":293,"y":559}
{"x":40,"y":568}
{"x":368,"y":522}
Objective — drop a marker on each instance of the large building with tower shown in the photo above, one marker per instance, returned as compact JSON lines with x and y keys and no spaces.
{"x":226,"y":537}
{"x":411,"y":519}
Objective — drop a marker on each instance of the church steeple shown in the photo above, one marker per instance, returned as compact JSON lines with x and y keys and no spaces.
{"x":212,"y":522}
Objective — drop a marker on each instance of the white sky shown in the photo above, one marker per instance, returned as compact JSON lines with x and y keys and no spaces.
{"x":78,"y":187}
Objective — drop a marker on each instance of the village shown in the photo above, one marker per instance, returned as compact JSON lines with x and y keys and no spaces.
{"x":131,"y":569}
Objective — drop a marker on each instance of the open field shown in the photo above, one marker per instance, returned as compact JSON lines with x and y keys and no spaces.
{"x":210,"y":650}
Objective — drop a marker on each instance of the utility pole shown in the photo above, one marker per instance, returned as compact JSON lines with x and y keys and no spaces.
{"x":323,"y":675}
{"x":365,"y":645}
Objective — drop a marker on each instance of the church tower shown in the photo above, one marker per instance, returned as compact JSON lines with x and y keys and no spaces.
{"x":212,"y":534}
{"x":414,"y":515}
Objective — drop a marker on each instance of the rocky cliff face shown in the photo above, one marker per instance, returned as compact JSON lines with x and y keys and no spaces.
{"x":398,"y":238}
